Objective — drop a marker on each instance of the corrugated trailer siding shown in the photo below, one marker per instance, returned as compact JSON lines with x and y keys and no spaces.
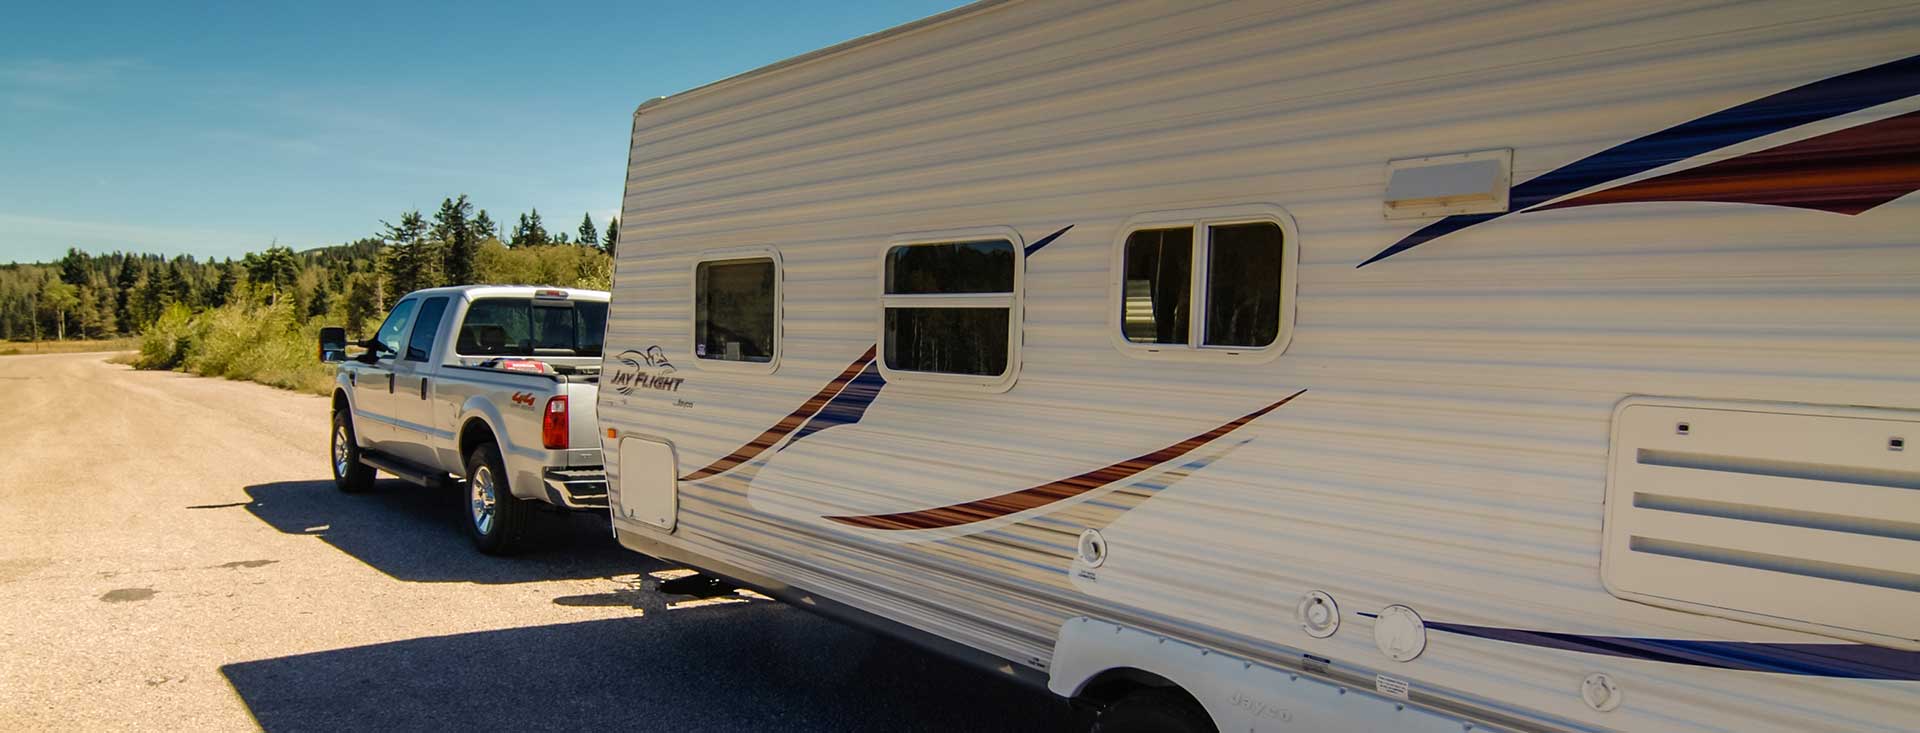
{"x":1451,"y":451}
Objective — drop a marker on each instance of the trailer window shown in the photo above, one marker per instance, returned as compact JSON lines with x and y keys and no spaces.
{"x":948,"y":308}
{"x":1243,"y":285}
{"x":1212,"y":285}
{"x":735,"y":310}
{"x":1159,"y":272}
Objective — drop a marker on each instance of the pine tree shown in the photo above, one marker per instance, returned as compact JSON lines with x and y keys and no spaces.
{"x":612,"y":242}
{"x":123,"y":286}
{"x":519,"y":237}
{"x":180,"y":284}
{"x":411,"y":228}
{"x":75,"y":267}
{"x":588,"y":235}
{"x":536,"y":232}
{"x":451,"y":228}
{"x":88,"y":318}
{"x":483,"y":227}
{"x":148,"y":300}
{"x":223,"y":288}
{"x":363,"y":301}
{"x":410,"y":262}
{"x":168,"y":284}
{"x":321,"y":303}
{"x":274,"y":269}
{"x":530,"y":232}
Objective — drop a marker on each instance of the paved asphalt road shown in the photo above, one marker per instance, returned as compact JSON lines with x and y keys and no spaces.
{"x":173,"y":557}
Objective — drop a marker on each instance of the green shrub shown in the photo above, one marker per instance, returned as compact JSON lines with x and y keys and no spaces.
{"x":249,"y":341}
{"x":164,"y":344}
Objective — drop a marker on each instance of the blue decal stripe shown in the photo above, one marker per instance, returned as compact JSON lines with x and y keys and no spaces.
{"x":1846,"y":661}
{"x":1046,"y":240}
{"x":1792,"y":108}
{"x":847,"y":407}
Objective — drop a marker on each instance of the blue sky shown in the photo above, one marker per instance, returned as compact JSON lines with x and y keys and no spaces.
{"x":215,"y":130}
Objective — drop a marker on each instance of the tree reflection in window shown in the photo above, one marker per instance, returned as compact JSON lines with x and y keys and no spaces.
{"x":734,"y":310}
{"x":949,"y":308}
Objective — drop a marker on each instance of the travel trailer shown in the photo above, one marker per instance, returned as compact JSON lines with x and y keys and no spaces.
{"x":1307,"y":366}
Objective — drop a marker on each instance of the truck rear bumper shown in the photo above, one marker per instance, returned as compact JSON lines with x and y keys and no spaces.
{"x":576,"y":487}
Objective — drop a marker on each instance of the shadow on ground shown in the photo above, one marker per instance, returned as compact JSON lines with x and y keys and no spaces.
{"x":747,"y":667}
{"x":417,"y":534}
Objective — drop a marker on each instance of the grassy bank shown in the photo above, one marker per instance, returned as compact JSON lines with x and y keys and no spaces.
{"x":251,"y":341}
{"x":70,"y":346}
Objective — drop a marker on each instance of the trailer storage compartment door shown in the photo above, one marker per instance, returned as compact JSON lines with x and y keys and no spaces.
{"x":1800,"y":516}
{"x":647,"y":482}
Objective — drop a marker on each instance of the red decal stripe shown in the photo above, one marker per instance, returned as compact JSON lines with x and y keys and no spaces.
{"x":1845,"y":172}
{"x":787,"y":424}
{"x":1052,"y":492}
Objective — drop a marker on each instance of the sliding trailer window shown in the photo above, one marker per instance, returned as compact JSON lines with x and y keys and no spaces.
{"x":950,"y":310}
{"x":1205,"y":284}
{"x":736,"y":311}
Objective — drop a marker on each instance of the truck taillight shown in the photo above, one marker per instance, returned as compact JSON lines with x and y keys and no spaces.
{"x":553,"y":424}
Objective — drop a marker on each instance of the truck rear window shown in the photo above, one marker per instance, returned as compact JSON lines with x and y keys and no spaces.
{"x":529,"y":327}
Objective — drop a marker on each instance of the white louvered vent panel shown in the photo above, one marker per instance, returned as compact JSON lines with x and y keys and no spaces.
{"x":1800,"y":516}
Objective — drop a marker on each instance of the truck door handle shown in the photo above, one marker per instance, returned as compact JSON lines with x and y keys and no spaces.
{"x":423,"y":388}
{"x":389,"y":382}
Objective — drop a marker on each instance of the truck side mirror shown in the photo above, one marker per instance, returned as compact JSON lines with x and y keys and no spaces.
{"x":333,"y":345}
{"x":371,"y":355}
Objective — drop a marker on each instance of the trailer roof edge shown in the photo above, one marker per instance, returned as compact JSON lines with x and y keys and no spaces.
{"x":833,"y":50}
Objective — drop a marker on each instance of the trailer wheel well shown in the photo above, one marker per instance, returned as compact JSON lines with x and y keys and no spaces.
{"x":1116,"y":683}
{"x":472,"y":434}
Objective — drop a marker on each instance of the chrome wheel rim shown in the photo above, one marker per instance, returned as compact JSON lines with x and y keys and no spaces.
{"x":480,"y":491}
{"x":342,"y":448}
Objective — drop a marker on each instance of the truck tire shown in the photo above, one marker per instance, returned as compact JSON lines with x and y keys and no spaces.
{"x":349,"y":474}
{"x":495,"y":519}
{"x":1154,"y":710}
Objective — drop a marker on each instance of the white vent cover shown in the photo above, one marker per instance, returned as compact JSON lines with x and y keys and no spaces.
{"x":1798,"y":516}
{"x":1443,"y":185}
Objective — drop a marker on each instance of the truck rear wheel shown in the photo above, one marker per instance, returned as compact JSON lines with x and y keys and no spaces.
{"x":495,"y":519}
{"x":349,"y":474}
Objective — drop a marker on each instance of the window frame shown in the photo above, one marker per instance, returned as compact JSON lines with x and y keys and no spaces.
{"x":1012,"y":301}
{"x":693,"y":310}
{"x":1195,"y":349}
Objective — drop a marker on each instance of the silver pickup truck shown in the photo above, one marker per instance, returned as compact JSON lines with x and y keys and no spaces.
{"x":490,"y":386}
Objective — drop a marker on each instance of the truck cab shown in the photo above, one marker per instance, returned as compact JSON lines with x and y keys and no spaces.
{"x":490,"y":387}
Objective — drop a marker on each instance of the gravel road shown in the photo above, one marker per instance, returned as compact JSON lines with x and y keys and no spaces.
{"x":173,"y":557}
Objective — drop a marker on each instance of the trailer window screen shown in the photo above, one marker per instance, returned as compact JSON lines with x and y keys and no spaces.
{"x":1243,"y":285}
{"x":949,"y":308}
{"x":734,"y":310}
{"x":948,"y":269}
{"x":1238,"y":301}
{"x":969,"y":341}
{"x":1159,"y":272}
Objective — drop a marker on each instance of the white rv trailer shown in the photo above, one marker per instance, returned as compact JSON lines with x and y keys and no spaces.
{"x":1343,"y":366}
